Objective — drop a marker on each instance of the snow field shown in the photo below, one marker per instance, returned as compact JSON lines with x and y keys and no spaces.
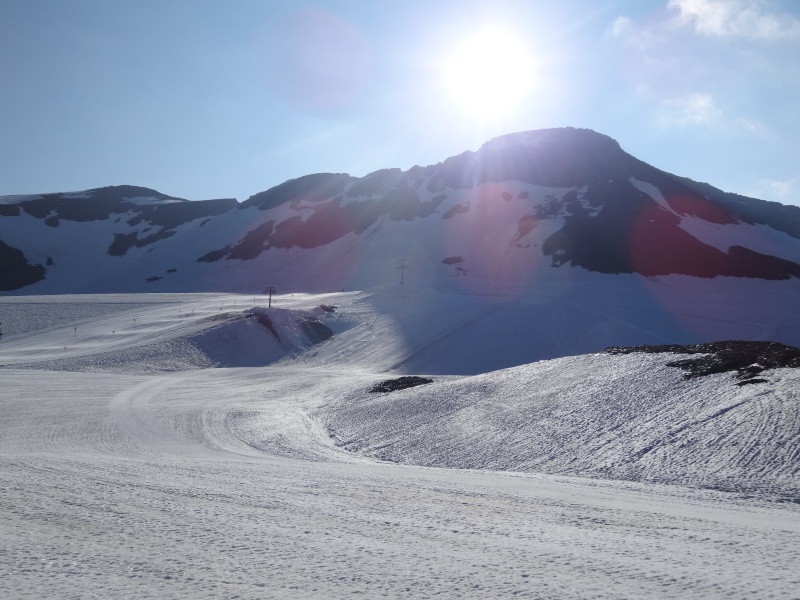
{"x":590,"y":415}
{"x":160,"y":480}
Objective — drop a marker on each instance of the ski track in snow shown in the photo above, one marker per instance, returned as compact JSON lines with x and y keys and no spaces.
{"x":589,"y":415}
{"x":171,"y":480}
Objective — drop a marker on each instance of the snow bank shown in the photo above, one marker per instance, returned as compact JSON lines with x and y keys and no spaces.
{"x":123,"y":336}
{"x":624,"y":417}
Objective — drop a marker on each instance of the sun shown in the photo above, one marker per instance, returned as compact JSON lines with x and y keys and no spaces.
{"x":488,"y":74}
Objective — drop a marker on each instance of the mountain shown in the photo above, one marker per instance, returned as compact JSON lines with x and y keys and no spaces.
{"x":522,"y":204}
{"x":560,"y":226}
{"x":74,"y":228}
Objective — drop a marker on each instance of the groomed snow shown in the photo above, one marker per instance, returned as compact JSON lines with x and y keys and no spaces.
{"x":129,"y":469}
{"x":596,"y":415}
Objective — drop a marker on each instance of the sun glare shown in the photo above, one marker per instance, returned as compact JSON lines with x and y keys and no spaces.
{"x":489,"y":74}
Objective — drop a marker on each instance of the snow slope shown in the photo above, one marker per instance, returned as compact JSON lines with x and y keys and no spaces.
{"x":128,"y":469}
{"x":593,"y":415}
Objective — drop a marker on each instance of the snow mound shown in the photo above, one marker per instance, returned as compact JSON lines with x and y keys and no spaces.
{"x":254,"y":337}
{"x":627,"y":417}
{"x":260,"y":336}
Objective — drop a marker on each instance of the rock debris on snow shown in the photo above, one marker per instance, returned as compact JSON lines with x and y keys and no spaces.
{"x":747,"y":358}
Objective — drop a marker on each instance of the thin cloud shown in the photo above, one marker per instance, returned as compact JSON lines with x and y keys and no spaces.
{"x":622,"y":26}
{"x":693,"y":109}
{"x":754,"y":127}
{"x":778,"y":190}
{"x":785,"y":191}
{"x":749,"y":19}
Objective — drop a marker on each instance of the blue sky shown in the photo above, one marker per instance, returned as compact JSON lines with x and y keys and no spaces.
{"x":206,"y":99}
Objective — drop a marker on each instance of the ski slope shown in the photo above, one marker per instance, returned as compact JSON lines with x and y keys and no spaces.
{"x":166,"y":445}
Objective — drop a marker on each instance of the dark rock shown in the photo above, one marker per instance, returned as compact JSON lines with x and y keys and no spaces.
{"x":172,"y":214}
{"x":214,"y":255}
{"x":376,"y":183}
{"x":403,"y":202}
{"x":101,"y":203}
{"x":525,"y":225}
{"x":125,"y":241}
{"x":747,"y":358}
{"x":428,"y":208}
{"x":17,"y":272}
{"x":254,"y":242}
{"x":122,"y":243}
{"x":632,"y":233}
{"x":779,"y":216}
{"x":98,"y":204}
{"x":746,"y":381}
{"x":9,"y":210}
{"x":401,"y":383}
{"x":315,"y":331}
{"x":456,"y":210}
{"x":456,"y":173}
{"x":331,"y":219}
{"x":310,"y":188}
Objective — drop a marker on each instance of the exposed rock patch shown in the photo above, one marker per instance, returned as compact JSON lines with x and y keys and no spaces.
{"x":125,"y":241}
{"x":215,"y":255}
{"x":17,"y":271}
{"x":456,"y":210}
{"x":9,"y":210}
{"x":401,"y":383}
{"x":311,"y":188}
{"x":314,"y":330}
{"x":748,"y":359}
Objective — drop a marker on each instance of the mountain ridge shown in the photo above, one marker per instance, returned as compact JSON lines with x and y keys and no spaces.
{"x":521,"y":205}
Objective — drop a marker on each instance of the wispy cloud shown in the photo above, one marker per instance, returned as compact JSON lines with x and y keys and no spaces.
{"x":621,"y":26}
{"x":693,"y":109}
{"x":754,"y":127}
{"x":750,"y":19}
{"x":786,"y":191}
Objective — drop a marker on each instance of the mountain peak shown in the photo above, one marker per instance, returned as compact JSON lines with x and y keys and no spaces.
{"x":558,"y":135}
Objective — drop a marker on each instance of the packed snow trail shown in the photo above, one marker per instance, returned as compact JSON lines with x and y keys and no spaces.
{"x":222,"y":483}
{"x":121,"y":516}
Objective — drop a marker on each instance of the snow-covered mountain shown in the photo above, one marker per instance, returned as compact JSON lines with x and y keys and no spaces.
{"x":588,"y":246}
{"x":493,"y":221}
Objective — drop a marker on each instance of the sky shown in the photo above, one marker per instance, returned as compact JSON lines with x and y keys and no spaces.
{"x":205,"y":99}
